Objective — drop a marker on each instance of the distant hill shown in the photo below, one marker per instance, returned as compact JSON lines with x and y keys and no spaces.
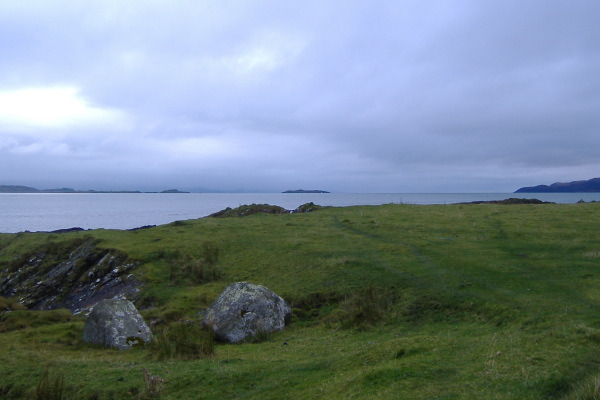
{"x":17,"y":189}
{"x":27,"y":189}
{"x":591,"y":185}
{"x":173,"y":191}
{"x":305,"y":191}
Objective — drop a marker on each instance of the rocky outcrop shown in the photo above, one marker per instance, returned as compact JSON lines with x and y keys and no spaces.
{"x":243,"y":310}
{"x":511,"y":200}
{"x":116,"y":323}
{"x":73,"y":274}
{"x":246,"y":210}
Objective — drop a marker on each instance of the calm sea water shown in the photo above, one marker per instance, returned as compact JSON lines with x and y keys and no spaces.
{"x":52,"y":211}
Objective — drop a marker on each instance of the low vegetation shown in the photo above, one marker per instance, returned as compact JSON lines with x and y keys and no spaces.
{"x":182,"y":341}
{"x":494,"y":301}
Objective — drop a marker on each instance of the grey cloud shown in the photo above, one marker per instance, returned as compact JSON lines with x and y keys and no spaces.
{"x":378,"y":96}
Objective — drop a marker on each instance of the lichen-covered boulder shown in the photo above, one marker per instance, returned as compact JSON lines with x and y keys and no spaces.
{"x":116,"y":323}
{"x":245,"y":309}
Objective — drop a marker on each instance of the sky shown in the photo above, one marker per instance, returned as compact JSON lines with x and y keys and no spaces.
{"x":350,"y":96}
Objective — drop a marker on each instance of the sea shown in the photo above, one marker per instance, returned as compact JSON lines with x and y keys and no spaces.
{"x":46,"y":212}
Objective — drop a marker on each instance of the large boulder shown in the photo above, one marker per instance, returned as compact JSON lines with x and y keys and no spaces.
{"x":116,"y":323}
{"x":245,"y":309}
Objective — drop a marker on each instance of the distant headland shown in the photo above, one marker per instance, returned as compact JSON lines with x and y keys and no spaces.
{"x":305,"y":191}
{"x":589,"y":186}
{"x":27,"y":189}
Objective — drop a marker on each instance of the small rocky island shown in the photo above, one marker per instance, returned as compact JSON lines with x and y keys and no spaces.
{"x":305,"y":191}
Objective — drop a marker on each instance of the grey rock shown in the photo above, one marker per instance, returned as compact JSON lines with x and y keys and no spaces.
{"x":116,"y":323}
{"x":243,"y":310}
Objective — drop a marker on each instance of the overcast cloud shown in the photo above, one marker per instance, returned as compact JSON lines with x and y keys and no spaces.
{"x":345,"y":96}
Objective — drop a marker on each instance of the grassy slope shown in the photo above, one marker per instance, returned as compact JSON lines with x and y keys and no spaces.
{"x":481,"y":301}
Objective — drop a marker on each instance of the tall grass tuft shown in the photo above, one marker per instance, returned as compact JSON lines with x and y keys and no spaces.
{"x":363,"y":309}
{"x":589,"y":390}
{"x":182,"y":341}
{"x":10,"y":304}
{"x":197,"y":270}
{"x":22,"y":319}
{"x":153,"y":386}
{"x":51,"y":386}
{"x":210,"y":252}
{"x":261,"y":336}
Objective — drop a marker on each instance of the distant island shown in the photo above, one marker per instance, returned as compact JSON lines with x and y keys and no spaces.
{"x":27,"y":189}
{"x":305,"y":191}
{"x":173,"y":191}
{"x":589,"y":186}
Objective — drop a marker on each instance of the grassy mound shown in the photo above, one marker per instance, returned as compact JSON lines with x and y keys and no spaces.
{"x":246,"y":210}
{"x":395,"y":301}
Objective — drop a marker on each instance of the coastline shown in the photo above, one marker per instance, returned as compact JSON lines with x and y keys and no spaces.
{"x":53,"y":211}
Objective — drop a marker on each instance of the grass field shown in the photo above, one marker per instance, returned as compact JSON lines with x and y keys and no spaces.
{"x":394,"y":301}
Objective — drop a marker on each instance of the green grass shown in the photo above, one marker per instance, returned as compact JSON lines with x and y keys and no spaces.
{"x":396,"y":301}
{"x":182,"y":341}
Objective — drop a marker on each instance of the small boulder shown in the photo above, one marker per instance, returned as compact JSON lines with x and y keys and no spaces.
{"x":245,"y":309}
{"x":116,"y":323}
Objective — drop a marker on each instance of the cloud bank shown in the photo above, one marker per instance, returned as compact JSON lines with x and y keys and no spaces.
{"x":383,"y":96}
